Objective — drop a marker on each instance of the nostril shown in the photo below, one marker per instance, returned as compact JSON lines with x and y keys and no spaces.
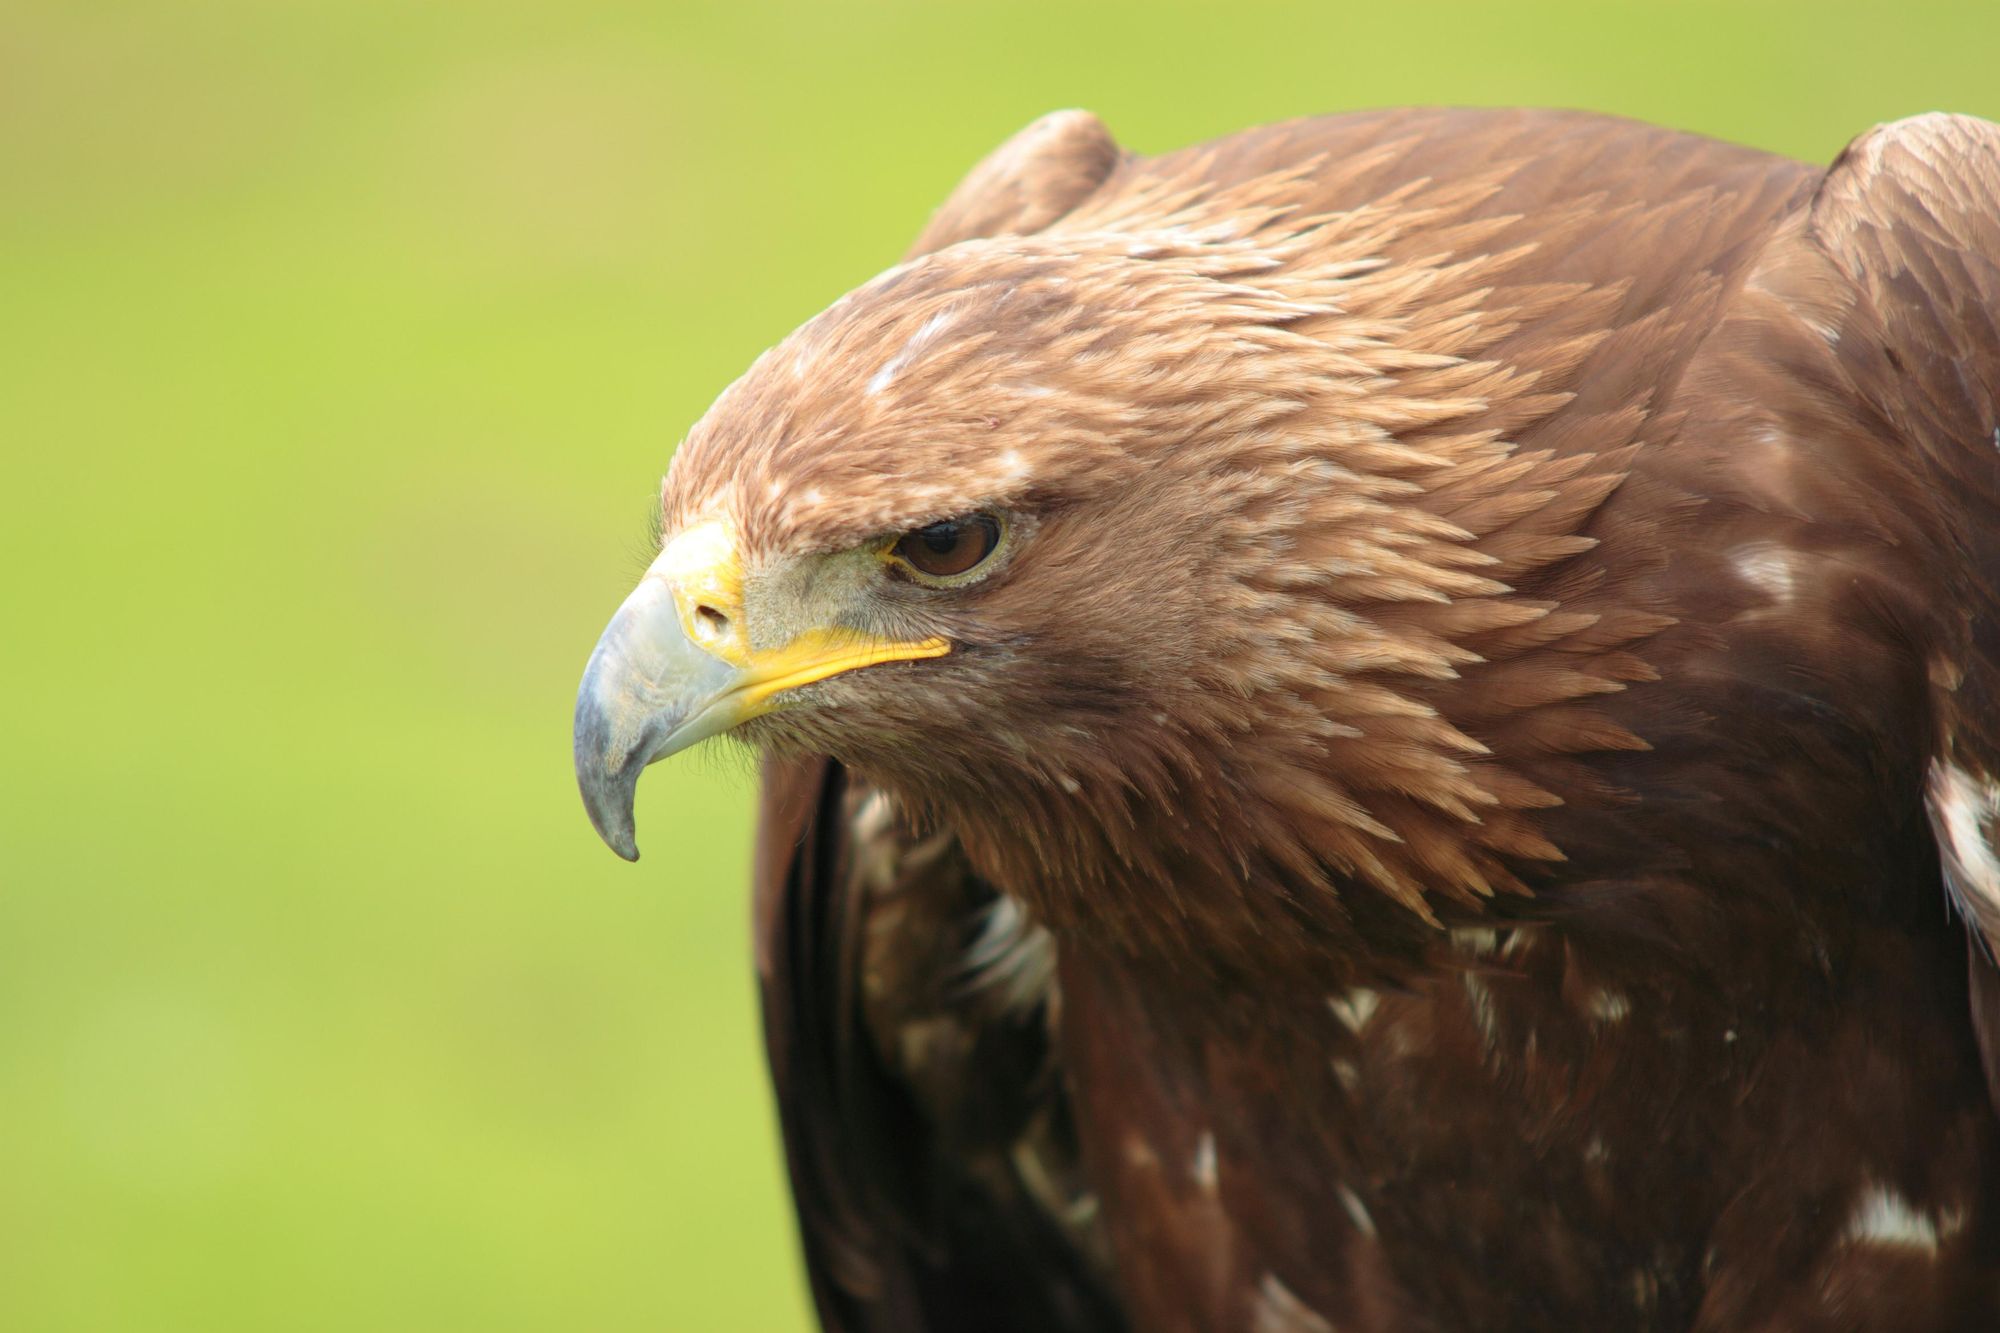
{"x":713,"y":623}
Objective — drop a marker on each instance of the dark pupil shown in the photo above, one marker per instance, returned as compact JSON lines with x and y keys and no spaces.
{"x":951,"y":547}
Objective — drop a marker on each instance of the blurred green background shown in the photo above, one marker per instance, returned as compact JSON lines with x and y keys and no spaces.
{"x":342,"y":345}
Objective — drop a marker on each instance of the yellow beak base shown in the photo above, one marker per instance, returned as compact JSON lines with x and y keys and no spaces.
{"x":675,"y":666}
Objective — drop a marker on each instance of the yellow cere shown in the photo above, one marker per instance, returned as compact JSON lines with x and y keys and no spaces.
{"x":706,"y":574}
{"x":705,"y":571}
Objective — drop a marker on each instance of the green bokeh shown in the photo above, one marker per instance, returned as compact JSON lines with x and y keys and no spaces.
{"x":341,"y":347}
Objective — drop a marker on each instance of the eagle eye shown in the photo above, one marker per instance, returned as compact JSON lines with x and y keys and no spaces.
{"x":950,"y":549}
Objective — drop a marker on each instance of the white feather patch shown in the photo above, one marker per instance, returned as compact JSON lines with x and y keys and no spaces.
{"x":925,"y":335}
{"x":1013,"y":959}
{"x":1275,"y":1309}
{"x":1357,"y":1212}
{"x":1769,"y":569}
{"x":1354,"y":1008}
{"x":1884,"y":1217}
{"x":1480,"y":1000}
{"x":1203,"y":1168}
{"x":1609,"y":1006}
{"x":1965,"y":814}
{"x":1476,"y":942}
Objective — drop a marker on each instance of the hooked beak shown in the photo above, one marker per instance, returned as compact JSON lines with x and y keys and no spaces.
{"x":677,"y":665}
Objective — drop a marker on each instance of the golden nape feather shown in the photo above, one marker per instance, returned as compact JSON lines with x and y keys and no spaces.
{"x":1370,"y":726}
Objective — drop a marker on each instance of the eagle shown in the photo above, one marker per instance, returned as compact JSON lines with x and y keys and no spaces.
{"x":1386,"y":723}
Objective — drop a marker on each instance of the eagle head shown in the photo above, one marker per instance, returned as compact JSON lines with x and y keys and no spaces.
{"x":1081,"y":539}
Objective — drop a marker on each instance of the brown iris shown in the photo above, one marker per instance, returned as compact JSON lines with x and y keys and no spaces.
{"x":951,"y":548}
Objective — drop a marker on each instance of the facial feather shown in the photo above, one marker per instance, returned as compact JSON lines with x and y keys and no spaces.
{"x":1274,"y":520}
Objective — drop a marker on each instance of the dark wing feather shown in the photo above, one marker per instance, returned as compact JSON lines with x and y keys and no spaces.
{"x":1910,"y":213}
{"x":926,"y":1128}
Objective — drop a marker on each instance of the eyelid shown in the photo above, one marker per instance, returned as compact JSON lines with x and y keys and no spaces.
{"x":886,"y":552}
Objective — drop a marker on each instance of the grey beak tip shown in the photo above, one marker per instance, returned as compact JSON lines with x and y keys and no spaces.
{"x":607,"y":780}
{"x":607,"y":798}
{"x":643,"y":681}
